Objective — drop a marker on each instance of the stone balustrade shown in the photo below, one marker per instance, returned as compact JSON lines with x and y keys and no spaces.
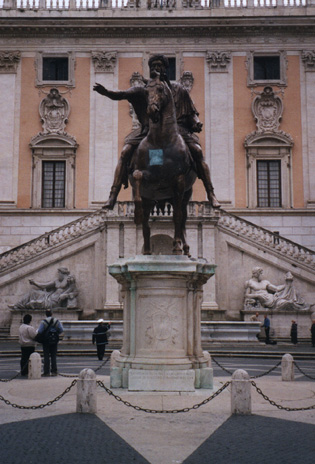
{"x":70,"y":5}
{"x":270,"y":240}
{"x":241,"y":228}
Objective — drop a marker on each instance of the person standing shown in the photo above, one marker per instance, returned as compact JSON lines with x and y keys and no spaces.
{"x":50,"y":329}
{"x":294,"y":332}
{"x":313,"y":333}
{"x":99,"y":337}
{"x":266,"y":325}
{"x":27,"y":335}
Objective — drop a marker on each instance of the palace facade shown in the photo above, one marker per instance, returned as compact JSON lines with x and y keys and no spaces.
{"x":250,"y":68}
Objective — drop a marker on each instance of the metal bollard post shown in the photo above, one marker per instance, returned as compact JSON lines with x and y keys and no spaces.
{"x":86,"y":392}
{"x":241,"y":393}
{"x":34,"y":366}
{"x":287,"y":368}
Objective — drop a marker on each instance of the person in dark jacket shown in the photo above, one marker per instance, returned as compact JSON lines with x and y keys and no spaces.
{"x":49,"y":345}
{"x":293,"y":333}
{"x":266,"y":326}
{"x":100,"y":337}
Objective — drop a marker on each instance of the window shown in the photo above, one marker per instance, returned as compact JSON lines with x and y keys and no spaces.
{"x":53,"y":184}
{"x":171,"y":73}
{"x":269,"y":183}
{"x":55,"y":69}
{"x":266,"y":68}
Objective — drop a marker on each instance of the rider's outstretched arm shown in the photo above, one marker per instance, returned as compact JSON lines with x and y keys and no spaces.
{"x":113,"y":95}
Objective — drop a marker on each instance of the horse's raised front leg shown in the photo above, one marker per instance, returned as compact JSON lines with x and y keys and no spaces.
{"x":137,"y":175}
{"x":179,"y":189}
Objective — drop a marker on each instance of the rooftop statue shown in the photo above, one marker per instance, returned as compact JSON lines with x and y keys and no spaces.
{"x":162,"y":157}
{"x":59,"y":293}
{"x":261,"y":294}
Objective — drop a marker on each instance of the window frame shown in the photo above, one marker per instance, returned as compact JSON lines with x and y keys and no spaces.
{"x":70,"y":82}
{"x":267,"y":148}
{"x":53,"y":148}
{"x":252,"y":82}
{"x":54,"y":184}
{"x":269,"y":198}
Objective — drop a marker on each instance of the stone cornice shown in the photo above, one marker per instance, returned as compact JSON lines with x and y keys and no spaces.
{"x":156,"y":27}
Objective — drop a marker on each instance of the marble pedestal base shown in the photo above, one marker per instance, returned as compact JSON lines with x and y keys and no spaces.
{"x":162,"y":337}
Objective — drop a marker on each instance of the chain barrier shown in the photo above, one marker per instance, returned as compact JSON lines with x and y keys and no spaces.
{"x":15,"y":376}
{"x":302,"y":372}
{"x":163,"y":411}
{"x":254,"y":377}
{"x":40,"y":406}
{"x":279,"y":406}
{"x":77,"y":375}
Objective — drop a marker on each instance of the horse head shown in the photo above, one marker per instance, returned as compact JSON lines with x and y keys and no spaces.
{"x":158,"y":98}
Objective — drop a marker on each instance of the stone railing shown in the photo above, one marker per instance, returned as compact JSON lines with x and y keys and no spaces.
{"x":71,"y":5}
{"x":46,"y":242}
{"x":96,"y":220}
{"x":262,"y":237}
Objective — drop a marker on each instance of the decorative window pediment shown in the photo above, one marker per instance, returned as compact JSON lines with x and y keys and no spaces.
{"x":268,"y":155}
{"x":53,"y":145}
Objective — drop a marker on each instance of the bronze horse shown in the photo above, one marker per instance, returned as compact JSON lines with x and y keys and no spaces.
{"x":162,"y":167}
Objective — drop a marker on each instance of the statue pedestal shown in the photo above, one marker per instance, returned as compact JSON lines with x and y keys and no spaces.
{"x":162,"y":337}
{"x":38,"y":315}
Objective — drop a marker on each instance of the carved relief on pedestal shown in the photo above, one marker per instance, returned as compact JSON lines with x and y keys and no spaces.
{"x":218,"y":61}
{"x":162,"y":322}
{"x":308,"y":59}
{"x":9,"y":62}
{"x":104,"y":61}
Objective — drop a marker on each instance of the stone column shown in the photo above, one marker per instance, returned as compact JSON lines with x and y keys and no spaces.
{"x":220,"y":142}
{"x":241,"y":393}
{"x":287,"y":368}
{"x":104,"y":127}
{"x":86,"y":392}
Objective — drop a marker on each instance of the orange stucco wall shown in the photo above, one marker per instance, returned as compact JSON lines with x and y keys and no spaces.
{"x":244,"y":124}
{"x":78,"y":126}
{"x":197,"y":66}
{"x":292,"y":124}
{"x":127,"y":66}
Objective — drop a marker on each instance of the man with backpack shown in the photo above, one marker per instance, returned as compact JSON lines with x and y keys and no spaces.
{"x":48,"y":334}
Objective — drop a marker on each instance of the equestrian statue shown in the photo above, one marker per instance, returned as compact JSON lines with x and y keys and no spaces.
{"x":162,"y":158}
